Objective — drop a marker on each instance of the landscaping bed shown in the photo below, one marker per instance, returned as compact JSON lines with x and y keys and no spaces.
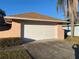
{"x":74,"y":40}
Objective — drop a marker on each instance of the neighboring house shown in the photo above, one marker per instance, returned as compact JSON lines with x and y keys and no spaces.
{"x":33,"y":26}
{"x":68,"y":30}
{"x":67,"y":27}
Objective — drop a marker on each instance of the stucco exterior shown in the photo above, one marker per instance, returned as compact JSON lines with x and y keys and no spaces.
{"x":60,"y":32}
{"x":35,"y":30}
{"x":33,"y":26}
{"x":13,"y":32}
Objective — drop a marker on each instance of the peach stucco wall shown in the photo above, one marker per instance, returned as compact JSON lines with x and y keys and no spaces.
{"x":60,"y":32}
{"x":13,"y":32}
{"x":34,"y":31}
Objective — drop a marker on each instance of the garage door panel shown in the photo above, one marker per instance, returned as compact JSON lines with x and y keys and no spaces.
{"x":40,"y":31}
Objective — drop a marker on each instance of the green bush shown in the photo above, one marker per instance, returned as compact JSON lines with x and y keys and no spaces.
{"x":14,"y":54}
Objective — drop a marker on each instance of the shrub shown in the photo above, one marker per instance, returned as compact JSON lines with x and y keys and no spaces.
{"x":9,"y":42}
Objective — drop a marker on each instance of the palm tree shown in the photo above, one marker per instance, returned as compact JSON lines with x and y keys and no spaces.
{"x":70,"y":8}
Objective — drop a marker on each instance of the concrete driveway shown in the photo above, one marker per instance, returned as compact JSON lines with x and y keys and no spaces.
{"x":52,"y":50}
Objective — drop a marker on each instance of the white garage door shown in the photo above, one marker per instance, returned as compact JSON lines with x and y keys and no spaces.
{"x":39,"y":32}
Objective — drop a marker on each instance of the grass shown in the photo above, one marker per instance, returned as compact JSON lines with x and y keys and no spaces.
{"x":10,"y":48}
{"x":14,"y":54}
{"x":74,"y":40}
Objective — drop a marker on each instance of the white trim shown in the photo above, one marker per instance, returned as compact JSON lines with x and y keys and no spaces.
{"x":22,"y":18}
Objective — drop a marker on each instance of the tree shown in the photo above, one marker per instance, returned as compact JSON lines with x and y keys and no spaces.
{"x":70,"y":8}
{"x":3,"y":25}
{"x":2,"y":14}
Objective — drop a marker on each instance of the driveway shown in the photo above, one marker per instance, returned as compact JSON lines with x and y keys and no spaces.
{"x":52,"y":50}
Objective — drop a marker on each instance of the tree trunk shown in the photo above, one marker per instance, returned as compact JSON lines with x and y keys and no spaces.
{"x":72,"y":25}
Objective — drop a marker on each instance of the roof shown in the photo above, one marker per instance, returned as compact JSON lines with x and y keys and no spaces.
{"x":34,"y":17}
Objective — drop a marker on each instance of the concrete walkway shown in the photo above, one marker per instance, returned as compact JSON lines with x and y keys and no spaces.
{"x":51,"y":50}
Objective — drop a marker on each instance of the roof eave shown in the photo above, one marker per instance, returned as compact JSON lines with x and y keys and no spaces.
{"x":34,"y":19}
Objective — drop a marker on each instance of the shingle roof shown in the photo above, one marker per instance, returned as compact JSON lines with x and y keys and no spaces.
{"x":35,"y":16}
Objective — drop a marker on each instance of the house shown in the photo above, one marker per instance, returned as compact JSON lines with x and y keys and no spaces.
{"x":67,"y":27}
{"x":68,"y":30}
{"x":33,"y":26}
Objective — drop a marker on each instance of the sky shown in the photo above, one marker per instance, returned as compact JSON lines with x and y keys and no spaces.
{"x":45,"y":7}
